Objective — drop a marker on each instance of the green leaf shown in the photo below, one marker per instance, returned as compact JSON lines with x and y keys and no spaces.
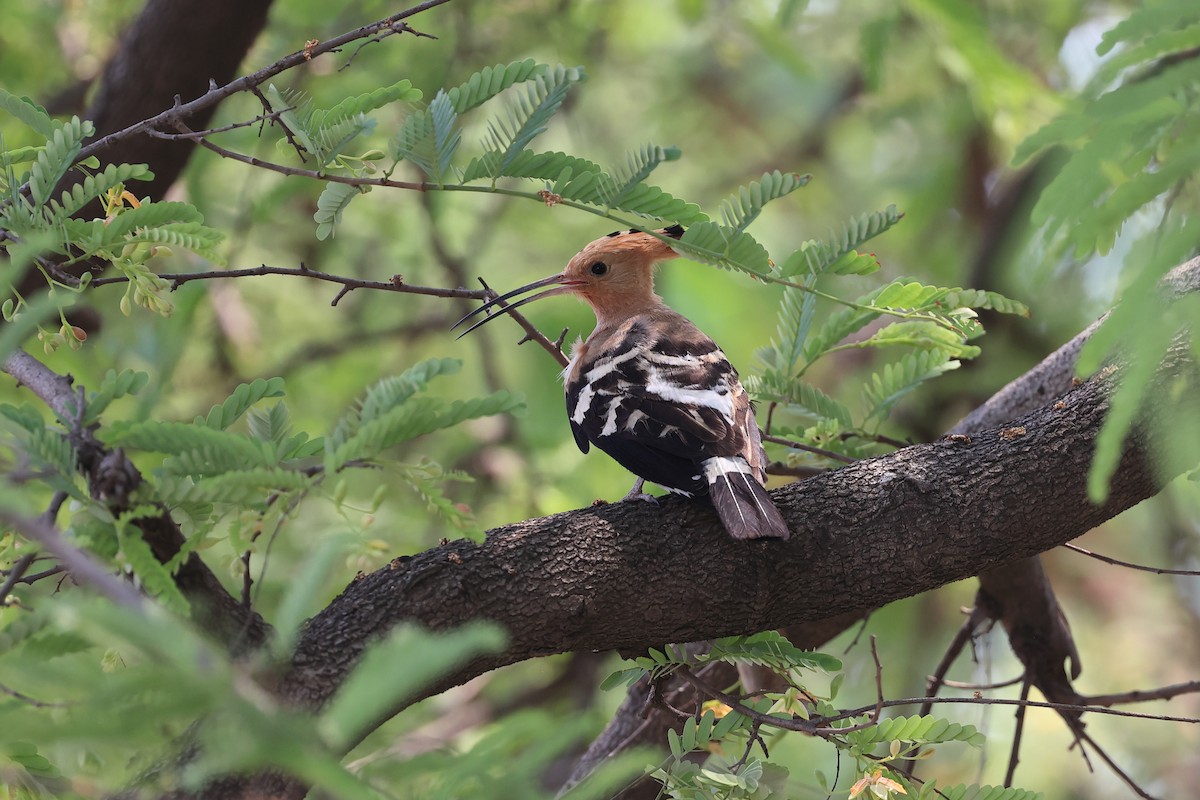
{"x":414,"y":142}
{"x":795,"y":320}
{"x":819,"y":405}
{"x":239,"y":402}
{"x":639,"y":165}
{"x":426,"y":478}
{"x":720,"y":246}
{"x":919,"y":334}
{"x":272,"y":425}
{"x":530,"y":114}
{"x":149,"y":215}
{"x":56,"y":158}
{"x":292,"y":108}
{"x":396,"y":668}
{"x":251,"y":488}
{"x":836,"y":327}
{"x":840,"y":256}
{"x":526,"y":164}
{"x":918,"y":729}
{"x":977,"y":298}
{"x":414,"y":418}
{"x":198,"y":238}
{"x":136,"y":553}
{"x":50,"y":449}
{"x":743,"y":207}
{"x":114,"y":386}
{"x":176,"y":438}
{"x":889,"y":385}
{"x":332,"y":203}
{"x":446,"y":134}
{"x":1147,"y":22}
{"x":400,"y":91}
{"x":653,"y":203}
{"x":24,"y":415}
{"x":769,"y":649}
{"x":94,"y":186}
{"x":622,"y":677}
{"x":490,"y":81}
{"x":28,"y":112}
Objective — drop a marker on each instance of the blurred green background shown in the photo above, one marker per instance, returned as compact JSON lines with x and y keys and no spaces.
{"x":917,"y":103}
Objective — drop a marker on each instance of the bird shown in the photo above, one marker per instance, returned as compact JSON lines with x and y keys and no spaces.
{"x":651,"y":390}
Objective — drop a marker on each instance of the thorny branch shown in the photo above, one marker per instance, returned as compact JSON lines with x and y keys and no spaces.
{"x":380,"y":29}
{"x":396,"y":284}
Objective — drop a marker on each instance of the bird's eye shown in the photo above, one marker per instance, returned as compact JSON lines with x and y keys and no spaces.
{"x":599,"y":268}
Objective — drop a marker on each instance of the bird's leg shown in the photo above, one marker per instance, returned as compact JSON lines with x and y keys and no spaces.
{"x":636,"y":493}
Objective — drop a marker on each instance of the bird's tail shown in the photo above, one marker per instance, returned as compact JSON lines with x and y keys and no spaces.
{"x":741,"y":501}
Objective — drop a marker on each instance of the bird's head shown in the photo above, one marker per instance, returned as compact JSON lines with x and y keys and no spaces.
{"x":614,"y":274}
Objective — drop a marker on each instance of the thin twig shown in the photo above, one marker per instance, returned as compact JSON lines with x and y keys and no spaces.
{"x":1125,"y":778}
{"x":1119,"y":563}
{"x":396,"y":284}
{"x":981,"y":687}
{"x":272,"y":116}
{"x":755,"y":737}
{"x":24,"y":698}
{"x":808,"y":448}
{"x":1144,"y":695}
{"x":81,"y":565}
{"x":532,"y":334}
{"x":15,"y":575}
{"x":297,"y":172}
{"x":399,"y":27}
{"x":46,"y":573}
{"x":1014,"y":756}
{"x":878,"y":682}
{"x":935,"y":681}
{"x":996,"y":701}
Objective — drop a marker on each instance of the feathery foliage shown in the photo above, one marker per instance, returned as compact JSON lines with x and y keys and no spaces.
{"x":1129,"y":150}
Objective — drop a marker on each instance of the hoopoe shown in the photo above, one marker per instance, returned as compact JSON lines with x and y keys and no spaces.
{"x":653,"y":391}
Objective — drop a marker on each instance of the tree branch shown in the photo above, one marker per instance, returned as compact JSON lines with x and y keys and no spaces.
{"x":111,"y":478}
{"x":896,"y":525}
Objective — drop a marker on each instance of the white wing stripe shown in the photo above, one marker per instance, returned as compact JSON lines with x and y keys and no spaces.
{"x":705,"y":398}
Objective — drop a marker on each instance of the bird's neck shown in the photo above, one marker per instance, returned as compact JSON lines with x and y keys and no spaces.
{"x":613,"y":310}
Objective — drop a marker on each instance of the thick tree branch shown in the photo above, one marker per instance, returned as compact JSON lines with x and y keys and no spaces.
{"x":895,"y":526}
{"x":873,"y":532}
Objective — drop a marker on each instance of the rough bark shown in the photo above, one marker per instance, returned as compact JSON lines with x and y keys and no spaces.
{"x":893,"y":527}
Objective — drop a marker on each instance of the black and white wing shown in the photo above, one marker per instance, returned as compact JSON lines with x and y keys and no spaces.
{"x":661,"y":398}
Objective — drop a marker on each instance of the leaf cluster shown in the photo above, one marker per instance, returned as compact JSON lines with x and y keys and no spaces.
{"x":720,"y":731}
{"x":116,"y":227}
{"x":1126,"y":154}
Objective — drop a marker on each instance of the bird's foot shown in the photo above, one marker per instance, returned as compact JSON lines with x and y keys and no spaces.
{"x":636,"y":493}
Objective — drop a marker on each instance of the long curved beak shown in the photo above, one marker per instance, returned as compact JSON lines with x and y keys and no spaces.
{"x":559,"y":282}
